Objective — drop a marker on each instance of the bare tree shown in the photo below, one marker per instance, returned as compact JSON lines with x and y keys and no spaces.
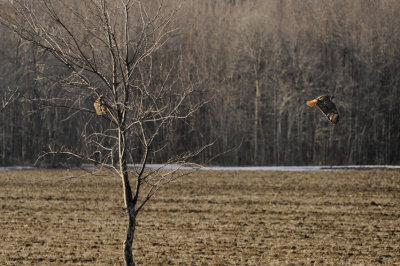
{"x":108,"y":50}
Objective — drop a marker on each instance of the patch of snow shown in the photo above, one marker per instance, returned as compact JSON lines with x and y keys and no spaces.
{"x":234,"y":168}
{"x":267,"y":168}
{"x":8,"y":168}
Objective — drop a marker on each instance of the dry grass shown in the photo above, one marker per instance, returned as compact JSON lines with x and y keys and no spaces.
{"x":255,"y":218}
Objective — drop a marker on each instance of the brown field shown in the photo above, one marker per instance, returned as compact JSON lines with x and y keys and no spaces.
{"x":207,"y":218}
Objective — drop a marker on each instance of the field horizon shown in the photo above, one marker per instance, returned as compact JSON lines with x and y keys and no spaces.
{"x":208,"y":217}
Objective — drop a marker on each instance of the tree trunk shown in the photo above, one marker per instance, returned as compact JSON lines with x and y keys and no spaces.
{"x":129,"y":203}
{"x":130,"y":233}
{"x":255,"y":130}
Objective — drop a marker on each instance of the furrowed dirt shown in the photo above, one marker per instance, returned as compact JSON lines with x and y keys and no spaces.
{"x":206,"y":218}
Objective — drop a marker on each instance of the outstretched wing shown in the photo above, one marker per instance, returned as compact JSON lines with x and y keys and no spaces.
{"x":328,"y":108}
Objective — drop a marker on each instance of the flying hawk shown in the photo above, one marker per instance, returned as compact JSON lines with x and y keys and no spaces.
{"x":325,"y":104}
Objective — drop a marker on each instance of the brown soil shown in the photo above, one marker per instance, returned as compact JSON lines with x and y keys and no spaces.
{"x":207,"y":218}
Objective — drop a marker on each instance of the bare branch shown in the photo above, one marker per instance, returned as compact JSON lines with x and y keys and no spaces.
{"x":9,"y":97}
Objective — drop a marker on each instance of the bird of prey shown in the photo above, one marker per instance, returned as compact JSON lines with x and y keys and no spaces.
{"x":325,"y":104}
{"x":99,"y":106}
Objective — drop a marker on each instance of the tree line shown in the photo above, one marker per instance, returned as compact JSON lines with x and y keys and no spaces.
{"x":256,"y":62}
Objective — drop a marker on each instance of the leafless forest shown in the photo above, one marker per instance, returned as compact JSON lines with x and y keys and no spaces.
{"x":259,"y":62}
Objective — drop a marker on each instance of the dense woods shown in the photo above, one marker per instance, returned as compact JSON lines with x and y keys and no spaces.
{"x":258,"y":62}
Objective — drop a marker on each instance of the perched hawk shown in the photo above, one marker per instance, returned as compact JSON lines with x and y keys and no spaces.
{"x":326,"y":105}
{"x":99,"y":106}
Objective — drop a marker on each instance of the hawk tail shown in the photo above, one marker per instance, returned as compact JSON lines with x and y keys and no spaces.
{"x":312,"y":103}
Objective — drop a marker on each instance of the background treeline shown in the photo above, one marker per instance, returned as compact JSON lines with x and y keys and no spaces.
{"x":259,"y":61}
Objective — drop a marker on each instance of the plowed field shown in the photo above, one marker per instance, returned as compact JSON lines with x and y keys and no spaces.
{"x":206,"y":218}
